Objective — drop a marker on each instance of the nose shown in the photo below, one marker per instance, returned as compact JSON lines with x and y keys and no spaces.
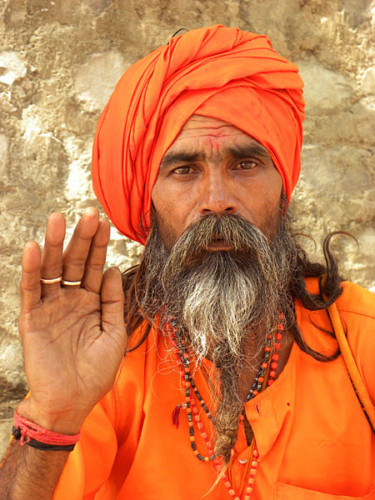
{"x":217,"y":196}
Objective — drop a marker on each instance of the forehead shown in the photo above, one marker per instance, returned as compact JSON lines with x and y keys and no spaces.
{"x":200,"y":129}
{"x":202,"y":136}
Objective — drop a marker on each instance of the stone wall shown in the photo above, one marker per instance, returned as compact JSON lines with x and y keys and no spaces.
{"x":59,"y":61}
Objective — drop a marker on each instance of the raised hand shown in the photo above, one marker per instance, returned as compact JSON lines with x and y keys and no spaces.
{"x":73,"y":335}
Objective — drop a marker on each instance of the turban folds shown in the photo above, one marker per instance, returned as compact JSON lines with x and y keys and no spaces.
{"x":220,"y":72}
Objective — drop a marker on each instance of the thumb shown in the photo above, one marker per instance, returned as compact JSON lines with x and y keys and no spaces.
{"x":112,"y":300}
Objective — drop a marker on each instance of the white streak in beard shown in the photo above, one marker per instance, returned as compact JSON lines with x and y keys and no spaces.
{"x":222,"y":302}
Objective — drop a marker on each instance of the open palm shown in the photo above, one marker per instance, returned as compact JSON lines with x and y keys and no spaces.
{"x":73,"y":335}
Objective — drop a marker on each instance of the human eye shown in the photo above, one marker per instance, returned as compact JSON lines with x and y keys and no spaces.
{"x":246,"y":165}
{"x":183,"y":170}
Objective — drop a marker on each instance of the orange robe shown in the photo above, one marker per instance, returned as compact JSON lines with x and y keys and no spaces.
{"x":313,"y":437}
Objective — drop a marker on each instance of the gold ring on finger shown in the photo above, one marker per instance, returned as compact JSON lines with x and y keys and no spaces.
{"x":71,"y":283}
{"x":51,"y":281}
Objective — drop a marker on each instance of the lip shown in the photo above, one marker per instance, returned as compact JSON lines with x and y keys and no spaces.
{"x":219,"y":245}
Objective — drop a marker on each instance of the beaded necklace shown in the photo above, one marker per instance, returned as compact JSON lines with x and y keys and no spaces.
{"x":265,"y":377}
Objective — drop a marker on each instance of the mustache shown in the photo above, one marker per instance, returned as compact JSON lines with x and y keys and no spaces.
{"x":246,"y":240}
{"x":233,"y":230}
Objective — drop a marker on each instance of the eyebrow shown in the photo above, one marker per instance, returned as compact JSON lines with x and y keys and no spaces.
{"x":235,"y":151}
{"x":250,"y":150}
{"x":184,"y":156}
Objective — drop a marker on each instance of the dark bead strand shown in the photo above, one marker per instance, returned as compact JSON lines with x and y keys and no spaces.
{"x":188,"y":381}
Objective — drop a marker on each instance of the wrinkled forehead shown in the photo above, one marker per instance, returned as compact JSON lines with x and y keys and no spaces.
{"x":200,"y":126}
{"x":203,"y":136}
{"x":206,"y":124}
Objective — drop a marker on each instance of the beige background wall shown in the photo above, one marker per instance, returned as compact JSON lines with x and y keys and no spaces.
{"x":59,"y":61}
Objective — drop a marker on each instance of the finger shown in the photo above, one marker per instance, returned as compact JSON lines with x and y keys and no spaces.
{"x":51,"y":267}
{"x":30,"y":287}
{"x":75,"y":256}
{"x":93,"y":276}
{"x":112,"y":297}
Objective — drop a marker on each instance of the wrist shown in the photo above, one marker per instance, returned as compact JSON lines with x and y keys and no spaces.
{"x":68,"y":423}
{"x":40,"y":438}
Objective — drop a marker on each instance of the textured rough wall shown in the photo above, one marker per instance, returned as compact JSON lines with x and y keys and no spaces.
{"x":59,"y":61}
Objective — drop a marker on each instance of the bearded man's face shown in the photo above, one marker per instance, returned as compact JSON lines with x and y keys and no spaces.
{"x":220,"y":255}
{"x":216,"y":182}
{"x":217,"y":202}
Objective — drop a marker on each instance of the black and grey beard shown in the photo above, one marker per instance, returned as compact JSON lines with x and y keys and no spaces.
{"x":220,"y":297}
{"x":226,"y":302}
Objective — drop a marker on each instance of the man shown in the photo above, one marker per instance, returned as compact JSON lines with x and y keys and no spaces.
{"x":233,"y":385}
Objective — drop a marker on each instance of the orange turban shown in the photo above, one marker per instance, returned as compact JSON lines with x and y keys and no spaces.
{"x":220,"y":72}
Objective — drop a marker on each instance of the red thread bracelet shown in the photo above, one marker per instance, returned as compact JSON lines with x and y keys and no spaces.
{"x":29,"y":430}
